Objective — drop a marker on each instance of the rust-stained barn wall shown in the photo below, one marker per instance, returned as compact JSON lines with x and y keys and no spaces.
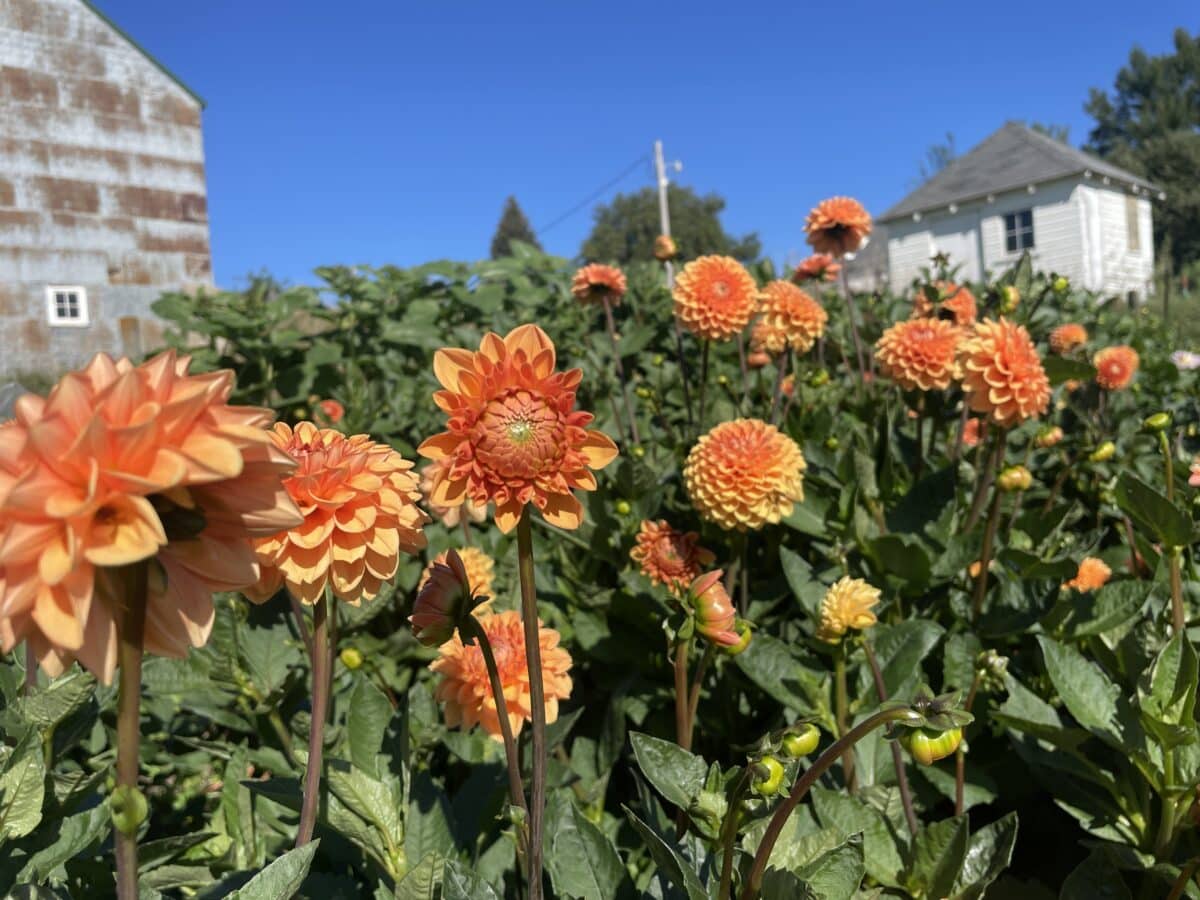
{"x":101,"y":185}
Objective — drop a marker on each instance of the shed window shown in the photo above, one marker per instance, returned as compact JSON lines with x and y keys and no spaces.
{"x":1018,"y":230}
{"x":1133,"y":235}
{"x":66,"y":305}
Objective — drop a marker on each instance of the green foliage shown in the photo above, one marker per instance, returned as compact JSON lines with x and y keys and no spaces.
{"x":513,"y":228}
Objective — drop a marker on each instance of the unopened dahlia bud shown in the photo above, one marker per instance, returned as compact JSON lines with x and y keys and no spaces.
{"x":715,"y":618}
{"x":1103,"y":453}
{"x":352,"y":658}
{"x":927,"y":745}
{"x":1060,"y":285}
{"x":1014,"y":478}
{"x":444,"y":603}
{"x":768,"y":776}
{"x":128,"y":808}
{"x":742,"y":629}
{"x":801,"y":740}
{"x":1009,"y":298}
{"x":1049,"y":436}
{"x":1160,"y":421}
{"x":665,"y":249}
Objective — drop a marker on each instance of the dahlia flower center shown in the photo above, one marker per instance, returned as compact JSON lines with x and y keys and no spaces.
{"x":519,"y":435}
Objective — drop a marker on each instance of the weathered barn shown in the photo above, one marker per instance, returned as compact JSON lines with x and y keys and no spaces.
{"x":1022,"y":191}
{"x":102,"y":189}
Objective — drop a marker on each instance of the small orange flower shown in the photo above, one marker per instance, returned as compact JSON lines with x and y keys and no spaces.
{"x":514,"y":436}
{"x":466,"y":692}
{"x":332,"y":410}
{"x":849,"y":603}
{"x":715,"y":618}
{"x":450,"y":516}
{"x":715,"y":297}
{"x":479,"y":567}
{"x":359,"y":502}
{"x":1002,"y":374}
{"x":122,"y":464}
{"x":787,"y":317}
{"x":597,"y":283}
{"x":669,"y":557}
{"x":818,"y":267}
{"x":1115,"y":367}
{"x":956,"y":301}
{"x":757,"y":359}
{"x":445,"y":598}
{"x":1048,"y":437}
{"x":837,"y":226}
{"x":788,"y":386}
{"x":1066,"y":338}
{"x":664,"y":248}
{"x":744,"y":474}
{"x":920,"y":354}
{"x":1093,"y":574}
{"x":972,"y":432}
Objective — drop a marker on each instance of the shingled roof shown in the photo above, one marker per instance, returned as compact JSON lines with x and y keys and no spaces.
{"x":1014,"y":157}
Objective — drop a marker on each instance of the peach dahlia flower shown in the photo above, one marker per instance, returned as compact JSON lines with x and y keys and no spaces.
{"x":1066,"y":338}
{"x":920,"y":354}
{"x":744,"y":474}
{"x":513,"y":436}
{"x":480,"y":569}
{"x":715,"y":297}
{"x":1115,"y":367}
{"x":837,"y":226}
{"x":1093,"y":574}
{"x":450,"y":516}
{"x":818,"y":267}
{"x":359,"y":502}
{"x":464,"y":688}
{"x":957,"y":300}
{"x":123,"y":464}
{"x":669,"y":557}
{"x":1002,"y":373}
{"x":596,"y":283}
{"x":788,"y":317}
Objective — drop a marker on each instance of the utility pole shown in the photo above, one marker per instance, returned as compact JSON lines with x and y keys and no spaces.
{"x":664,"y":221}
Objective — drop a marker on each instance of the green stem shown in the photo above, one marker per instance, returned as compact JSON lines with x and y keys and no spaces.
{"x":780,"y":373}
{"x":1166,"y":824}
{"x":910,"y":815}
{"x":729,"y":833}
{"x":985,"y":556}
{"x":703,"y":383}
{"x":842,"y":715}
{"x":131,"y":635}
{"x":1185,"y":875}
{"x":986,"y":477}
{"x":281,"y":732}
{"x":697,"y":684}
{"x":806,"y":781}
{"x":316,"y":727}
{"x":1178,"y":619}
{"x":960,"y":756}
{"x":612,"y":336}
{"x":537,"y":700}
{"x":683,"y":735}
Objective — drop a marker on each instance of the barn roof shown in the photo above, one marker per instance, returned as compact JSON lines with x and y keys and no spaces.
{"x":1013,"y":157}
{"x":157,"y":63}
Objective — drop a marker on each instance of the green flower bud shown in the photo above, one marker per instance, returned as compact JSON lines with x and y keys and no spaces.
{"x":623,"y":508}
{"x":742,"y":629}
{"x":638,"y":452}
{"x":1014,"y":478}
{"x":1160,"y":421}
{"x":1060,"y":285}
{"x":768,"y":776}
{"x":802,"y":740}
{"x":927,"y":746}
{"x":659,"y":359}
{"x":818,"y":378}
{"x":722,"y":379}
{"x":1104,"y":452}
{"x":832,"y":443}
{"x":128,"y":808}
{"x":351,"y":658}
{"x":1009,"y":298}
{"x":644,"y":392}
{"x":709,"y":807}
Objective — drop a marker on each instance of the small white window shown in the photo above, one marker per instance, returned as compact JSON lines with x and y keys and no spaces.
{"x":66,"y":305}
{"x":1018,"y":230}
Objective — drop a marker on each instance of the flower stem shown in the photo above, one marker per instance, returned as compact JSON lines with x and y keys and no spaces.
{"x":985,"y":555}
{"x":729,"y":833}
{"x":1185,"y":876}
{"x":852,"y":313}
{"x":985,"y":478}
{"x":316,"y":728}
{"x":842,"y":716}
{"x":745,"y":371}
{"x":960,"y":756}
{"x":612,"y":336}
{"x":131,"y":635}
{"x":516,"y":790}
{"x":782,"y":362}
{"x":1178,"y":619}
{"x":537,"y":700}
{"x":703,"y":383}
{"x":697,"y":684}
{"x":806,"y":781}
{"x":683,"y":735}
{"x":910,"y":815}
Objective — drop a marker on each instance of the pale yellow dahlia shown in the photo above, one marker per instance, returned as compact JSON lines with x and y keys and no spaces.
{"x":849,"y":603}
{"x":480,"y":569}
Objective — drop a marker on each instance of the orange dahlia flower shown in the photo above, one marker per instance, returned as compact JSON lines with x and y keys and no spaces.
{"x":1093,"y":574}
{"x":464,"y":688}
{"x":597,"y":283}
{"x":837,"y":226}
{"x":1002,"y":374}
{"x":1066,"y":338}
{"x":669,"y":557}
{"x":956,"y":300}
{"x":715,"y":297}
{"x":758,"y":358}
{"x":1115,"y":367}
{"x":744,"y":474}
{"x":920,"y":354}
{"x":664,"y":248}
{"x":479,"y":567}
{"x":332,"y":410}
{"x":818,"y":267}
{"x":449,"y":516}
{"x":359,"y":501}
{"x":513,"y":436}
{"x":972,"y":432}
{"x":123,"y":464}
{"x":787,"y":317}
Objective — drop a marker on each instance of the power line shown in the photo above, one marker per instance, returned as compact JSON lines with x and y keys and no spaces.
{"x":596,"y":194}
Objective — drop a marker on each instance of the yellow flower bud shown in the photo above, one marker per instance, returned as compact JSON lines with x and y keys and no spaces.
{"x":1014,"y":478}
{"x":1104,"y":452}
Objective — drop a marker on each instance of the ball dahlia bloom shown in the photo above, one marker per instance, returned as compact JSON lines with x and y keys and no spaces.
{"x":957,"y":302}
{"x":920,"y":354}
{"x":513,"y":436}
{"x":479,"y":567}
{"x":1093,"y":574}
{"x":123,"y":464}
{"x":837,"y":226}
{"x":1002,"y":374}
{"x":1115,"y":367}
{"x":849,"y":603}
{"x":715,"y":297}
{"x":664,"y":248}
{"x":788,"y":317}
{"x":744,"y":474}
{"x":1066,"y":338}
{"x":359,"y":502}
{"x":596,"y":283}
{"x":450,"y":516}
{"x":818,"y":267}
{"x":445,"y":598}
{"x":464,"y":689}
{"x":715,"y":618}
{"x":669,"y":557}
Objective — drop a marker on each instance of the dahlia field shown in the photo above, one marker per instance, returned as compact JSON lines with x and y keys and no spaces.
{"x":694,"y":580}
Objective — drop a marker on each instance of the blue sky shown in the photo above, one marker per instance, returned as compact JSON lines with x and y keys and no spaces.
{"x":391,"y":132}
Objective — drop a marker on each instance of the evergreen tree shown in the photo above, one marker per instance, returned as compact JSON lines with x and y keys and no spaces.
{"x":513,"y":226}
